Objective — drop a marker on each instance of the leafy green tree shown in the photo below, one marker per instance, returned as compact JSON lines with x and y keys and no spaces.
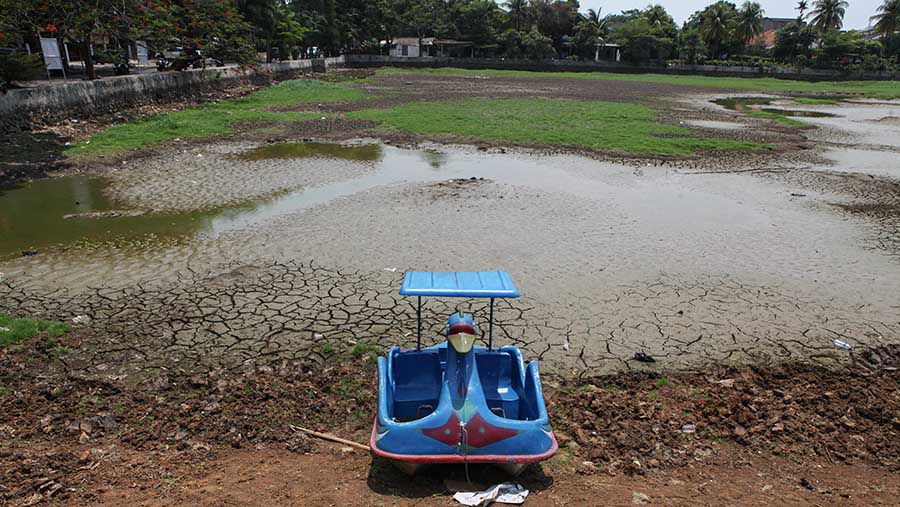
{"x":802,"y":7}
{"x":716,"y":25}
{"x":887,"y":22}
{"x":642,"y":42}
{"x":587,"y":36}
{"x":828,"y":14}
{"x":518,"y":13}
{"x":691,"y":45}
{"x":749,"y":22}
{"x":18,"y":67}
{"x":793,"y":41}
{"x":531,"y":44}
{"x":475,"y":20}
{"x":835,"y":46}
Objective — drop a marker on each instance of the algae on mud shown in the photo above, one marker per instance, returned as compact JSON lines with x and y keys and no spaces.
{"x":615,"y":127}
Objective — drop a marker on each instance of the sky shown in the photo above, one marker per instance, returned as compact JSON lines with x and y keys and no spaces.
{"x":857,"y":17}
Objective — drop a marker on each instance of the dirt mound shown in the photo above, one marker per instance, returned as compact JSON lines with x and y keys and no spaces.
{"x":642,"y":421}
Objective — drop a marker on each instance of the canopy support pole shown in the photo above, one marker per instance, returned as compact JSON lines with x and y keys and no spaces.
{"x":419,"y":325}
{"x":491,"y":327}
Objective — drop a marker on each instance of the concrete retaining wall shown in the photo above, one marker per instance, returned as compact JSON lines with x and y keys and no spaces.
{"x":25,"y":108}
{"x":806,"y":74}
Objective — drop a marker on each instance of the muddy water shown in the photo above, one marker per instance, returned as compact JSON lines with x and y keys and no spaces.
{"x":611,"y":258}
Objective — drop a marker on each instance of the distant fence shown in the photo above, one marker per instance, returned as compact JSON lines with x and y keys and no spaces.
{"x":28,"y":107}
{"x":806,"y":74}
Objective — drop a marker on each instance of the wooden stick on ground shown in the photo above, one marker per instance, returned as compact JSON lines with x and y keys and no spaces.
{"x":326,"y":436}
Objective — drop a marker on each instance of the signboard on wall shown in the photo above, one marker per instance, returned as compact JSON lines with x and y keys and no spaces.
{"x":52,"y":55}
{"x":143,"y":53}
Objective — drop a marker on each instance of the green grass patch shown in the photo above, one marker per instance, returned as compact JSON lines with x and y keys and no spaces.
{"x":780,"y":118}
{"x":13,"y":330}
{"x":873,"y":89}
{"x":624,"y":128}
{"x":216,"y":118}
{"x":810,"y":101}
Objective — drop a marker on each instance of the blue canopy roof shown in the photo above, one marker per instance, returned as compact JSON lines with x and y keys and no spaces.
{"x":481,"y":284}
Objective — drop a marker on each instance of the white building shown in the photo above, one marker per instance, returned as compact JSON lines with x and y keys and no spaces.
{"x":410,"y":47}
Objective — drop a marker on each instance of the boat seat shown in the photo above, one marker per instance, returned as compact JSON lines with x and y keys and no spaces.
{"x":417,"y":384}
{"x":495,"y":370}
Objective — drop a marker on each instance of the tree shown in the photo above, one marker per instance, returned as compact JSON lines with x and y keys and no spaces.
{"x":18,"y":67}
{"x":587,"y":36}
{"x":749,"y":22}
{"x":531,"y":44}
{"x":829,"y":14}
{"x":802,"y":6}
{"x":836,"y":47}
{"x":691,"y":44}
{"x":594,"y":16}
{"x":887,"y":21}
{"x":643,"y":42}
{"x":517,"y":12}
{"x":714,"y":26}
{"x":792,"y":41}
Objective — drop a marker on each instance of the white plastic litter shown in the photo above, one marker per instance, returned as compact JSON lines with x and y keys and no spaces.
{"x":501,"y":493}
{"x":842,"y":345}
{"x":81,"y":319}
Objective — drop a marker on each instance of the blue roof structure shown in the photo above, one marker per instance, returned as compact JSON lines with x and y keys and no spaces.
{"x":480,"y":284}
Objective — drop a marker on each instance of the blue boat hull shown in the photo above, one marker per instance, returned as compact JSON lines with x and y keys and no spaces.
{"x":436,"y":406}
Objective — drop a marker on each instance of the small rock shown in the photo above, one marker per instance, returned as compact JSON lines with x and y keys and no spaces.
{"x":643,"y":357}
{"x":85,"y":456}
{"x":83,"y":438}
{"x":808,"y":485}
{"x":638,"y":498}
{"x":689,"y":428}
{"x":740,"y":431}
{"x":347,"y":450}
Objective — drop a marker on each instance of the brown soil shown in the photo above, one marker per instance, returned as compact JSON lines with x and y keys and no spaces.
{"x":224,"y":438}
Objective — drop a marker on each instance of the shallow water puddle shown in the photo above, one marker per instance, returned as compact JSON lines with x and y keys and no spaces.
{"x":757,"y":103}
{"x":74,"y":209}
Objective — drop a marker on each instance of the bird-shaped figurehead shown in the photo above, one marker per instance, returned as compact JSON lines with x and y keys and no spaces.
{"x":461,"y":332}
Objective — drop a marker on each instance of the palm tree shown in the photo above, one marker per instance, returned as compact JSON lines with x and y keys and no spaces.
{"x":656,"y":15}
{"x":594,"y":16}
{"x":749,"y":24}
{"x":829,"y":14}
{"x":517,"y":11}
{"x":714,"y":27}
{"x":887,"y":22}
{"x":802,"y":5}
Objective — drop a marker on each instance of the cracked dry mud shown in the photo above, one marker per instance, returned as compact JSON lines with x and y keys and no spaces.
{"x":738,"y":259}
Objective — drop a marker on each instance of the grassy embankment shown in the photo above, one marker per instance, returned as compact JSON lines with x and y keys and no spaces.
{"x":623,"y":128}
{"x":13,"y":330}
{"x":871,"y":89}
{"x":216,"y":118}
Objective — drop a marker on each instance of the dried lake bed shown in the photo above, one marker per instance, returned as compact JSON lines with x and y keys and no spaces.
{"x":241,"y":252}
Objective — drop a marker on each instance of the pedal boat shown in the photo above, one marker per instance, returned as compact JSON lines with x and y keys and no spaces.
{"x":457,"y":402}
